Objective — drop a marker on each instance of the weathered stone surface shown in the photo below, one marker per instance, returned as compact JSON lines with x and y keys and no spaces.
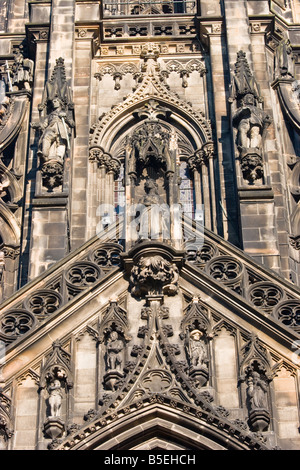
{"x":116,"y":332}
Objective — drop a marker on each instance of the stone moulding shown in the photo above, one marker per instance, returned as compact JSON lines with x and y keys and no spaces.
{"x":150,"y":87}
{"x":212,"y":425}
{"x":290,"y":107}
{"x":13,"y":124}
{"x":69,"y":280}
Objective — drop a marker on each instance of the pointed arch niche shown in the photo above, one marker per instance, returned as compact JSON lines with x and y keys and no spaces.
{"x":155,"y":150}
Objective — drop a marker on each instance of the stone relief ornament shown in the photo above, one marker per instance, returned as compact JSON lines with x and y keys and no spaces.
{"x":288,"y":313}
{"x":154,"y":275}
{"x":55,"y":125}
{"x":6,"y":431}
{"x":22,"y":71}
{"x":15,"y":323}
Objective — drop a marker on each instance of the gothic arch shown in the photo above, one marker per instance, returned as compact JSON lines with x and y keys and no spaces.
{"x":9,"y":228}
{"x":158,"y":421}
{"x":121,"y":119}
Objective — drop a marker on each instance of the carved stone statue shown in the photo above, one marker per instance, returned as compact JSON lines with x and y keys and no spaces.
{"x":249,"y":119}
{"x":257,"y":392}
{"x":22,"y":70}
{"x":284,"y":62}
{"x":2,"y":269}
{"x":196,"y":349}
{"x":56,"y":132}
{"x":154,"y":216}
{"x":114,"y":352}
{"x":56,"y":121}
{"x":250,"y":122}
{"x":55,"y":398}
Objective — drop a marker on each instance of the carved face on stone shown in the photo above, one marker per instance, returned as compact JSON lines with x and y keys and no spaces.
{"x":196,"y":335}
{"x":56,"y":103}
{"x":249,"y":100}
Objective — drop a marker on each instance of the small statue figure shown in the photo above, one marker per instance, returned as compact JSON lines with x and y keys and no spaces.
{"x":196,"y":349}
{"x":56,"y":132}
{"x":55,"y":398}
{"x":257,"y":392}
{"x":22,"y":70}
{"x":153,"y":220}
{"x":284,"y":61}
{"x":114,"y":352}
{"x":250,"y":122}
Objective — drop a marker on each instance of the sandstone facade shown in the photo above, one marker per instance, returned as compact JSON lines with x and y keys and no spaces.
{"x":149,"y":225}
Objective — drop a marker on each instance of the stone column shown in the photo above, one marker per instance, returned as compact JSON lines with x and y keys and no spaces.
{"x":212,"y":32}
{"x":201,"y":165}
{"x":105,"y":170}
{"x":31,"y":253}
{"x":255,"y":190}
{"x":84,"y":174}
{"x":50,"y":222}
{"x":62,"y":34}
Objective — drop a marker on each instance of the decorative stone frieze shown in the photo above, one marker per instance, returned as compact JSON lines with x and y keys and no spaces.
{"x":43,"y":303}
{"x":15,"y":323}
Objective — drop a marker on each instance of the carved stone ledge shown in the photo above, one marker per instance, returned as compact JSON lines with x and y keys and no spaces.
{"x":200,"y":375}
{"x":54,"y":427}
{"x":111,"y":378}
{"x":259,"y":420}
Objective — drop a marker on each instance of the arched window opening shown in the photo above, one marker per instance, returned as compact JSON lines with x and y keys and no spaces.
{"x":186,"y":197}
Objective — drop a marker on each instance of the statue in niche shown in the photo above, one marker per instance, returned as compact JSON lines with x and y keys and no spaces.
{"x":154,"y":215}
{"x":196,"y":349}
{"x":56,"y":121}
{"x":56,"y":129}
{"x":284,"y":61}
{"x":22,"y":70}
{"x":55,"y":398}
{"x":250,"y":122}
{"x":257,"y":392}
{"x":114,"y":352}
{"x":249,"y":119}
